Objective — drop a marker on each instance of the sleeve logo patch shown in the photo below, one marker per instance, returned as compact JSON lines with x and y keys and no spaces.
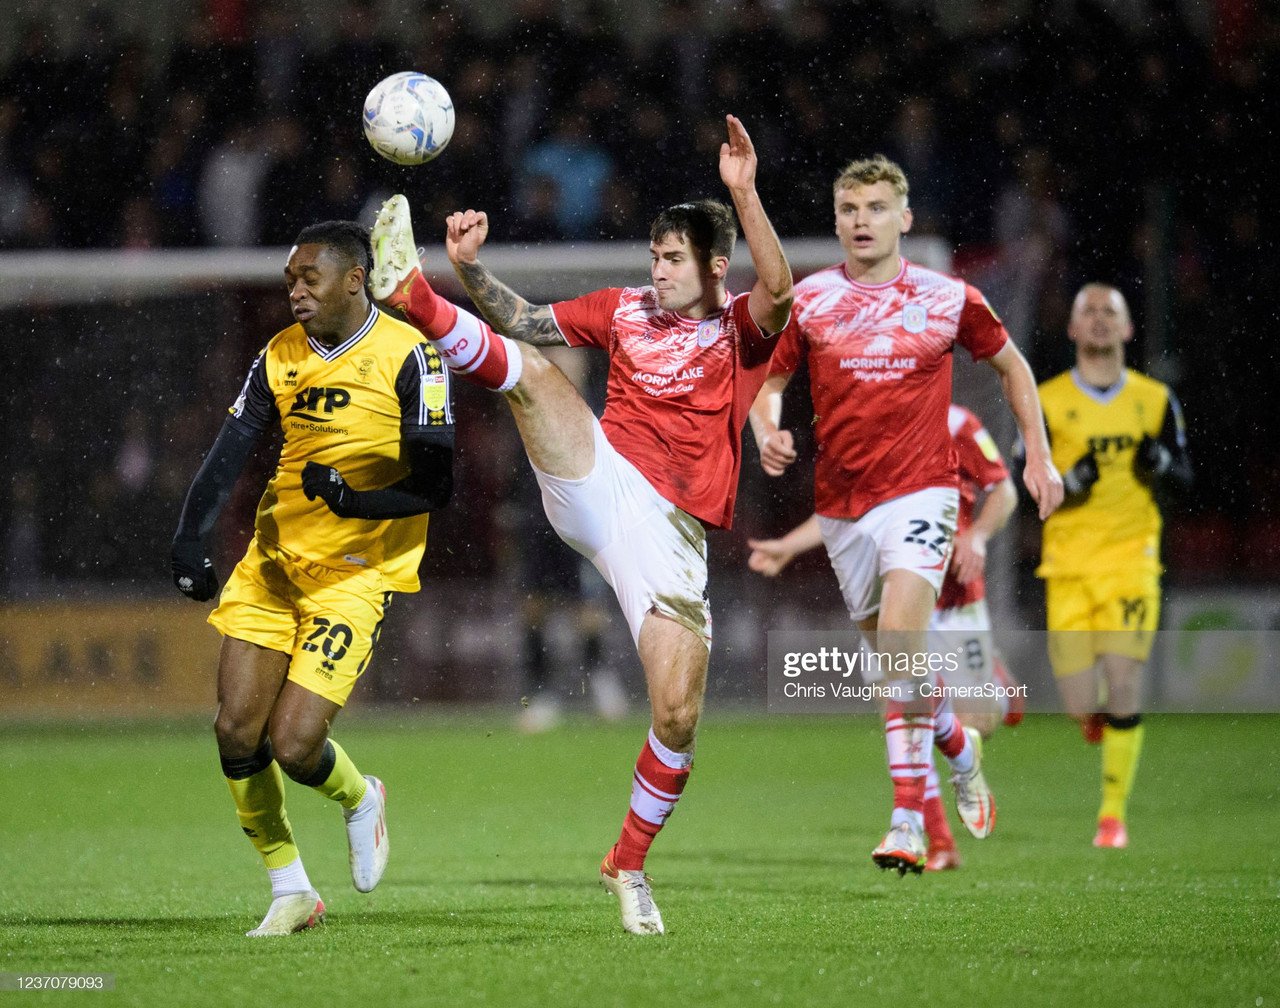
{"x":435,"y":390}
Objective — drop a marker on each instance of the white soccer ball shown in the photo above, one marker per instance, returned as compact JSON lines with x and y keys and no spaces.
{"x":408,"y":118}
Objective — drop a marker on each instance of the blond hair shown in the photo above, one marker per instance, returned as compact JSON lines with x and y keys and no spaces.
{"x":869,"y":171}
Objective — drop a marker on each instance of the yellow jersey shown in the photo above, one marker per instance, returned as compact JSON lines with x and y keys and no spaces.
{"x":1117,"y":527}
{"x":346,"y":406}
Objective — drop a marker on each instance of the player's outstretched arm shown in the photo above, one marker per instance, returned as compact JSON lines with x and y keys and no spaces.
{"x":770,"y":556}
{"x":189,"y":560}
{"x":504,"y":309}
{"x":777,"y":447}
{"x":1040,"y":475}
{"x":771,"y":297}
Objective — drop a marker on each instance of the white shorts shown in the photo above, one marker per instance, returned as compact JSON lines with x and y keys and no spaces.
{"x":965,"y":632}
{"x":652,"y":554}
{"x":907,"y":533}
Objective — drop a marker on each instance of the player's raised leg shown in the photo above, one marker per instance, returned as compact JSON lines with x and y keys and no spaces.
{"x":555,"y":424}
{"x":675,"y":665}
{"x":467,"y":345}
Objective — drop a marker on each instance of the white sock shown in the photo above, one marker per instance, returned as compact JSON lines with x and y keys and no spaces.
{"x":292,"y":878}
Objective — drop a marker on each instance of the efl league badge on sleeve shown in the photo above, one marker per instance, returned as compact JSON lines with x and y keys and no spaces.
{"x":708,"y":332}
{"x":914,"y":318}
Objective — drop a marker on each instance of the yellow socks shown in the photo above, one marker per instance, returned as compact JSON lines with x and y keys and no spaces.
{"x":337,"y":777}
{"x":257,"y":786}
{"x":1121,"y":745}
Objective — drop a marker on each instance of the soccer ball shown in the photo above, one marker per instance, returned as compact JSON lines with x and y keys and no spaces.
{"x":408,"y":118}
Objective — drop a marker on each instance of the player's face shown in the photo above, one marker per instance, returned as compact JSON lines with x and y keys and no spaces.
{"x":870,"y":221}
{"x":685,"y":281}
{"x":321,"y":286}
{"x":1099,"y":321}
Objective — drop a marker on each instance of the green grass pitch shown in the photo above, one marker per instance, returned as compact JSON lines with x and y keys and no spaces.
{"x":121,"y":854}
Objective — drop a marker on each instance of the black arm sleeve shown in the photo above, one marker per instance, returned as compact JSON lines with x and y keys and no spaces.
{"x":428,"y":486}
{"x":1173,"y":435}
{"x":212,"y":485}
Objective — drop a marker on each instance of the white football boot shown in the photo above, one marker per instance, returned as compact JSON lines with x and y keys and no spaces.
{"x":640,"y":913}
{"x":290,"y":914}
{"x":975,"y":803}
{"x":367,"y":843}
{"x":902,"y":848}
{"x":395,"y":257}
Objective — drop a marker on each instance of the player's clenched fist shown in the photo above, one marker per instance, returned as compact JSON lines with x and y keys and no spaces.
{"x":777,"y":452}
{"x":326,"y":483}
{"x":464,"y":233}
{"x":193,"y":572}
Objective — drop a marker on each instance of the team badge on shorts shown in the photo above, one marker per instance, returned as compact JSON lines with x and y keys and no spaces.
{"x":708,"y":332}
{"x":914,"y":318}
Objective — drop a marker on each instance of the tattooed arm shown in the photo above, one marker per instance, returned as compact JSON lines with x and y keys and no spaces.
{"x":504,"y":309}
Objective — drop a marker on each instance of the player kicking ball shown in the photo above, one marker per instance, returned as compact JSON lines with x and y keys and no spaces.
{"x":635,"y":491}
{"x":363,"y":405}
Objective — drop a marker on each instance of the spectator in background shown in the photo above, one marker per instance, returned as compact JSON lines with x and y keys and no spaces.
{"x":1031,"y":233}
{"x":916,"y":144}
{"x":289,"y":181}
{"x":231,"y":187}
{"x":276,"y":58}
{"x":536,"y":212}
{"x":582,"y":168}
{"x":15,"y":192}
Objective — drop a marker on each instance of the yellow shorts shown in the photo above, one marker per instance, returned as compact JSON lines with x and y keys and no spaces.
{"x":1105,"y":614}
{"x":326,"y":620}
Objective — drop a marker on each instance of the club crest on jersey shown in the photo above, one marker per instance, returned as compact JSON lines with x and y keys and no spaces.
{"x":915,"y":317}
{"x":364,"y":369}
{"x":708,"y":332}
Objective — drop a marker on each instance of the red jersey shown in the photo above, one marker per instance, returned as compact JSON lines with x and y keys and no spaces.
{"x":980,"y":467}
{"x":880,"y":373}
{"x":679,"y":390}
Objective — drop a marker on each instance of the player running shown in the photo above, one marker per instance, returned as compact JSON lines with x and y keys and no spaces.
{"x":363,"y":404}
{"x":1116,"y":434}
{"x":878,"y":333}
{"x":960,"y":619}
{"x":635,"y":491}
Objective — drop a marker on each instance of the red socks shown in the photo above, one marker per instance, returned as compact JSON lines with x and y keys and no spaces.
{"x":659,"y":779}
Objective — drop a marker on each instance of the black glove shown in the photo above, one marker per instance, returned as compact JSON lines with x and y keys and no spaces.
{"x":1081,"y":477}
{"x":1151,"y":459}
{"x":193,"y":572}
{"x":326,"y":483}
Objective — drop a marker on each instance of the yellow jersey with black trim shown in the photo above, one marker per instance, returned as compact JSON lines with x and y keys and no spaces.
{"x":346,"y":406}
{"x":1117,"y":527}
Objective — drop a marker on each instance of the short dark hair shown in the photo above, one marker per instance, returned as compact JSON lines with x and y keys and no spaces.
{"x":347,"y":238}
{"x":708,"y":225}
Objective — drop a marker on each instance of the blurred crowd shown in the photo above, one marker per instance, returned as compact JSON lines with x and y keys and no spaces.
{"x":1047,"y":142}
